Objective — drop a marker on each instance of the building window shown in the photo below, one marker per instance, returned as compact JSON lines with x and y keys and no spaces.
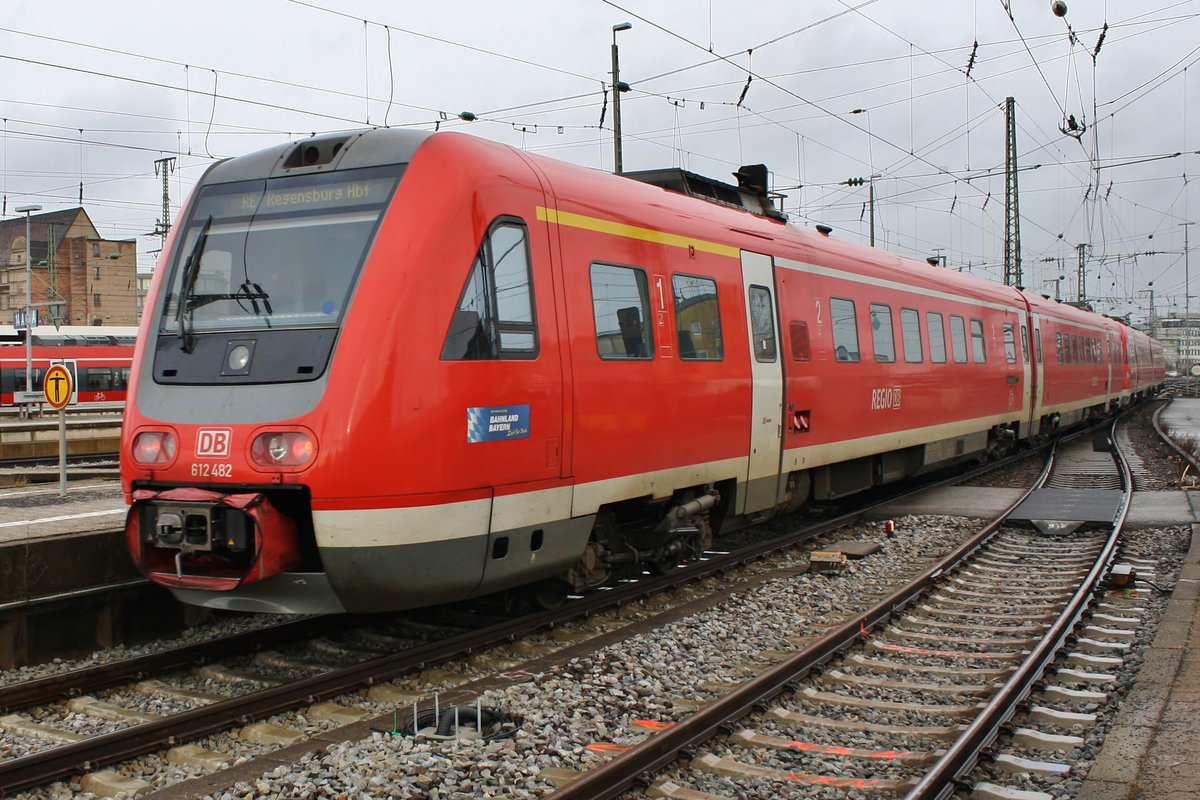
{"x":96,"y":300}
{"x":97,"y":272}
{"x":95,"y":251}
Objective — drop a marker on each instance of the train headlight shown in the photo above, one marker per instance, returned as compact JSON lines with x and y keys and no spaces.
{"x":282,"y":449}
{"x":154,"y":448}
{"x":239,"y":357}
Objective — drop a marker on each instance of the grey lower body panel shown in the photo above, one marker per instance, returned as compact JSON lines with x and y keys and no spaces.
{"x":390,"y":578}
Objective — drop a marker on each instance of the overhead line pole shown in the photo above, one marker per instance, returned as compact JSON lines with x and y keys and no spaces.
{"x":1012,"y":213}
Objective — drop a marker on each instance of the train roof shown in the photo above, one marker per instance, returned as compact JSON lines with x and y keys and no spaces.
{"x":48,"y":335}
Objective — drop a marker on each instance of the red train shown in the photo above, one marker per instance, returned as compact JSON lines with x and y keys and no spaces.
{"x":99,"y":359}
{"x":388,"y":369}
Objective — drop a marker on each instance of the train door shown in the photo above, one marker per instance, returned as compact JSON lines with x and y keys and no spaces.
{"x":1038,"y":376}
{"x":766,"y":371}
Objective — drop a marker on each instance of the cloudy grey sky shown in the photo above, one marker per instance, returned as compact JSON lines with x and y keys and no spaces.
{"x":96,"y":92}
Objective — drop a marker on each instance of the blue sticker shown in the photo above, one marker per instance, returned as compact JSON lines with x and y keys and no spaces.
{"x":497,"y":423}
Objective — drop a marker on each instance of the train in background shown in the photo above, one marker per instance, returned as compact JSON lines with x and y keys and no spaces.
{"x":386,"y":369}
{"x":99,"y":358}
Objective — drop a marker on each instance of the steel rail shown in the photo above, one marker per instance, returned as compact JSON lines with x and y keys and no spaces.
{"x":52,"y":688}
{"x":620,"y":773}
{"x":960,"y":757}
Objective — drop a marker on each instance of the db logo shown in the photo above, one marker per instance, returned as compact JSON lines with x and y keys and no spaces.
{"x":213,"y":442}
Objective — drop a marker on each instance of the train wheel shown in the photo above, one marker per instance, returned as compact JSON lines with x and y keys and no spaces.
{"x":549,"y":594}
{"x":594,"y":568}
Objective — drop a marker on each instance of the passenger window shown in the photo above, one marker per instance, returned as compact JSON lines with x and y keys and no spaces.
{"x":495,"y":318}
{"x":1037,"y":342}
{"x":958,"y":339}
{"x":621,"y":305}
{"x":1010,"y":344}
{"x":1025,"y":344}
{"x":881,"y":333}
{"x":762,"y":324}
{"x":978,"y":349}
{"x":801,"y":348}
{"x":937,"y":337}
{"x":1058,"y":348}
{"x":845,"y":330}
{"x":697,"y":318}
{"x":910,"y":331}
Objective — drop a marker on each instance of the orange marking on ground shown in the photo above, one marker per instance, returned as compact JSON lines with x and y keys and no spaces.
{"x":653,"y":725}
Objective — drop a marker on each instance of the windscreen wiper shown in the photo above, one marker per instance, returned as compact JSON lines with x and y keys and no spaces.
{"x":247,"y":291}
{"x":191,"y":269}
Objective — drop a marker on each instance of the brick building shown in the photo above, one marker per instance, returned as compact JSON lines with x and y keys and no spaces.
{"x":94,"y":278}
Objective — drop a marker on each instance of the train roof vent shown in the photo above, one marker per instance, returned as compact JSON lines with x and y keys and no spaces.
{"x":315,"y":152}
{"x":751,"y":194}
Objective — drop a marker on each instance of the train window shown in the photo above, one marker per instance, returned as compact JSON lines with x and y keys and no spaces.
{"x":1010,"y":344}
{"x":958,"y":339}
{"x":270,"y":254}
{"x":910,"y":331}
{"x":845,"y":329}
{"x":621,"y":305}
{"x":1058,"y":348}
{"x":494,"y":318}
{"x":762,"y":324}
{"x":1074,"y":349}
{"x":697,"y":318}
{"x":1037,"y":342}
{"x":978,"y":349}
{"x":937,"y":337}
{"x":1025,"y":344}
{"x":882,"y":335}
{"x":801,"y":348}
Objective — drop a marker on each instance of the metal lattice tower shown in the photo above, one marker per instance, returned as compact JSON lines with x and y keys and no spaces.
{"x":1012,"y":214}
{"x":164,"y":167}
{"x":1082,"y":277}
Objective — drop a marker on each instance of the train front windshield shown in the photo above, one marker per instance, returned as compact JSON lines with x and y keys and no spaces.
{"x":282,"y":253}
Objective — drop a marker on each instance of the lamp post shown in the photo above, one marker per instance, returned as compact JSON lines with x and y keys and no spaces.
{"x":27,"y":211}
{"x":618,"y":87}
{"x":1187,"y":297}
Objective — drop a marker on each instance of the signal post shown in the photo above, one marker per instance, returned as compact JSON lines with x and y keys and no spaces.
{"x":57,"y":388}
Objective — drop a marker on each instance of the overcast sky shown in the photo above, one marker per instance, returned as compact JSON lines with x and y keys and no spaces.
{"x":95,"y":92}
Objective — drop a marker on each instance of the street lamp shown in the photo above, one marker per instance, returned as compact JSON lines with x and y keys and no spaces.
{"x":27,"y":210}
{"x":618,"y":87}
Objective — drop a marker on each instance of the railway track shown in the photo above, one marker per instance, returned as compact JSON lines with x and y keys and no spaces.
{"x":927,"y":651}
{"x":277,"y":681}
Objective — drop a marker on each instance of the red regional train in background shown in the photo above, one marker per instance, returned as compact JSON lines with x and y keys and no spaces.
{"x":99,"y":358}
{"x":386,"y":369}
